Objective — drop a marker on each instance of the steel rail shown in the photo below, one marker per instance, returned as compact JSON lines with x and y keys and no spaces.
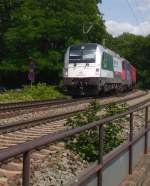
{"x":27,"y":147}
{"x":5,"y":107}
{"x":33,"y":104}
{"x":31,"y":123}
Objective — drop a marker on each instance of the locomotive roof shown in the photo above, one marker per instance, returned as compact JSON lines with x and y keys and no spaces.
{"x":86,"y":45}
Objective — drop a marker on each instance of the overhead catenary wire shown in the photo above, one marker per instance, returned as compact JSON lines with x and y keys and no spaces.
{"x":140,"y":12}
{"x":134,"y":15}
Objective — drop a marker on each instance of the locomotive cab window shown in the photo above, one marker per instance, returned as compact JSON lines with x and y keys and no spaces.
{"x":82,"y":54}
{"x":75,"y":54}
{"x":107,"y":62}
{"x":89,"y":54}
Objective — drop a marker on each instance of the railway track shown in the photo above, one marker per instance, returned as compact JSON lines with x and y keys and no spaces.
{"x":18,"y":108}
{"x":10,"y":137}
{"x":28,"y":104}
{"x":10,"y":127}
{"x":8,"y":110}
{"x":38,"y":103}
{"x":14,"y":133}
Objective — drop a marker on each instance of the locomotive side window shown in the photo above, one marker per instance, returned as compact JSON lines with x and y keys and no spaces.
{"x":115,"y":64}
{"x":107,"y":62}
{"x":89,"y":54}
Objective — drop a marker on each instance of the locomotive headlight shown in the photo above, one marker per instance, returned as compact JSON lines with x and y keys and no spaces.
{"x":97,"y":71}
{"x":65,"y":72}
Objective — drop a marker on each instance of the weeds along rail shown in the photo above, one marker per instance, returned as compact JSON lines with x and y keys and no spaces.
{"x":9,"y":110}
{"x":38,"y":103}
{"x":13,"y":134}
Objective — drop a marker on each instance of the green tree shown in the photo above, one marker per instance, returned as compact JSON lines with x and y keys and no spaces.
{"x":136,"y":50}
{"x":43,"y":30}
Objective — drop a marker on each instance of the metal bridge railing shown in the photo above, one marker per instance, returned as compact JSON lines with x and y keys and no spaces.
{"x":26,"y":148}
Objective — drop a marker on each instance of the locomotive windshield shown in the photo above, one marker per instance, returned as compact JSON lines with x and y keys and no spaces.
{"x":82,"y":54}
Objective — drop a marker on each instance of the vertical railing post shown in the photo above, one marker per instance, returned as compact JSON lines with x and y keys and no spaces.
{"x":146,"y":135}
{"x":130,"y":148}
{"x":100,"y":150}
{"x":26,"y":169}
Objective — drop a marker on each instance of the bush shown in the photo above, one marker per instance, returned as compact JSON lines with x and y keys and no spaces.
{"x":35,"y":92}
{"x":86,"y":143}
{"x":113,"y":130}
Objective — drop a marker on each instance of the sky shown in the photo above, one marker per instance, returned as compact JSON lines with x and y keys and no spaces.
{"x":131,"y":16}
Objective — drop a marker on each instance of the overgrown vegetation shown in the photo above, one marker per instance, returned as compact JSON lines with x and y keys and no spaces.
{"x":86,"y":143}
{"x":34,"y":92}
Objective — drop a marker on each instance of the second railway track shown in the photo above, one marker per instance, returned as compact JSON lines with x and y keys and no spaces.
{"x":13,"y":126}
{"x":9,"y":110}
{"x":13,"y":109}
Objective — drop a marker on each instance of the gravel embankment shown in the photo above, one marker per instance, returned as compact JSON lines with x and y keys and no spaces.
{"x":56,"y":169}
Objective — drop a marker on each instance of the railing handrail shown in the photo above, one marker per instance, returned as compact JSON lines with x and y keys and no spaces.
{"x":109,"y":158}
{"x":51,"y":138}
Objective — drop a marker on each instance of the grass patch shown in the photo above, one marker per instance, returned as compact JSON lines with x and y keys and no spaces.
{"x":40,"y":91}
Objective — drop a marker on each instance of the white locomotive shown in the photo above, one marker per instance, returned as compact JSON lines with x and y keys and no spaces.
{"x":90,"y":68}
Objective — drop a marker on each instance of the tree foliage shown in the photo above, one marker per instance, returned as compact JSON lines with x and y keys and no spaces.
{"x":136,"y":50}
{"x":43,"y":30}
